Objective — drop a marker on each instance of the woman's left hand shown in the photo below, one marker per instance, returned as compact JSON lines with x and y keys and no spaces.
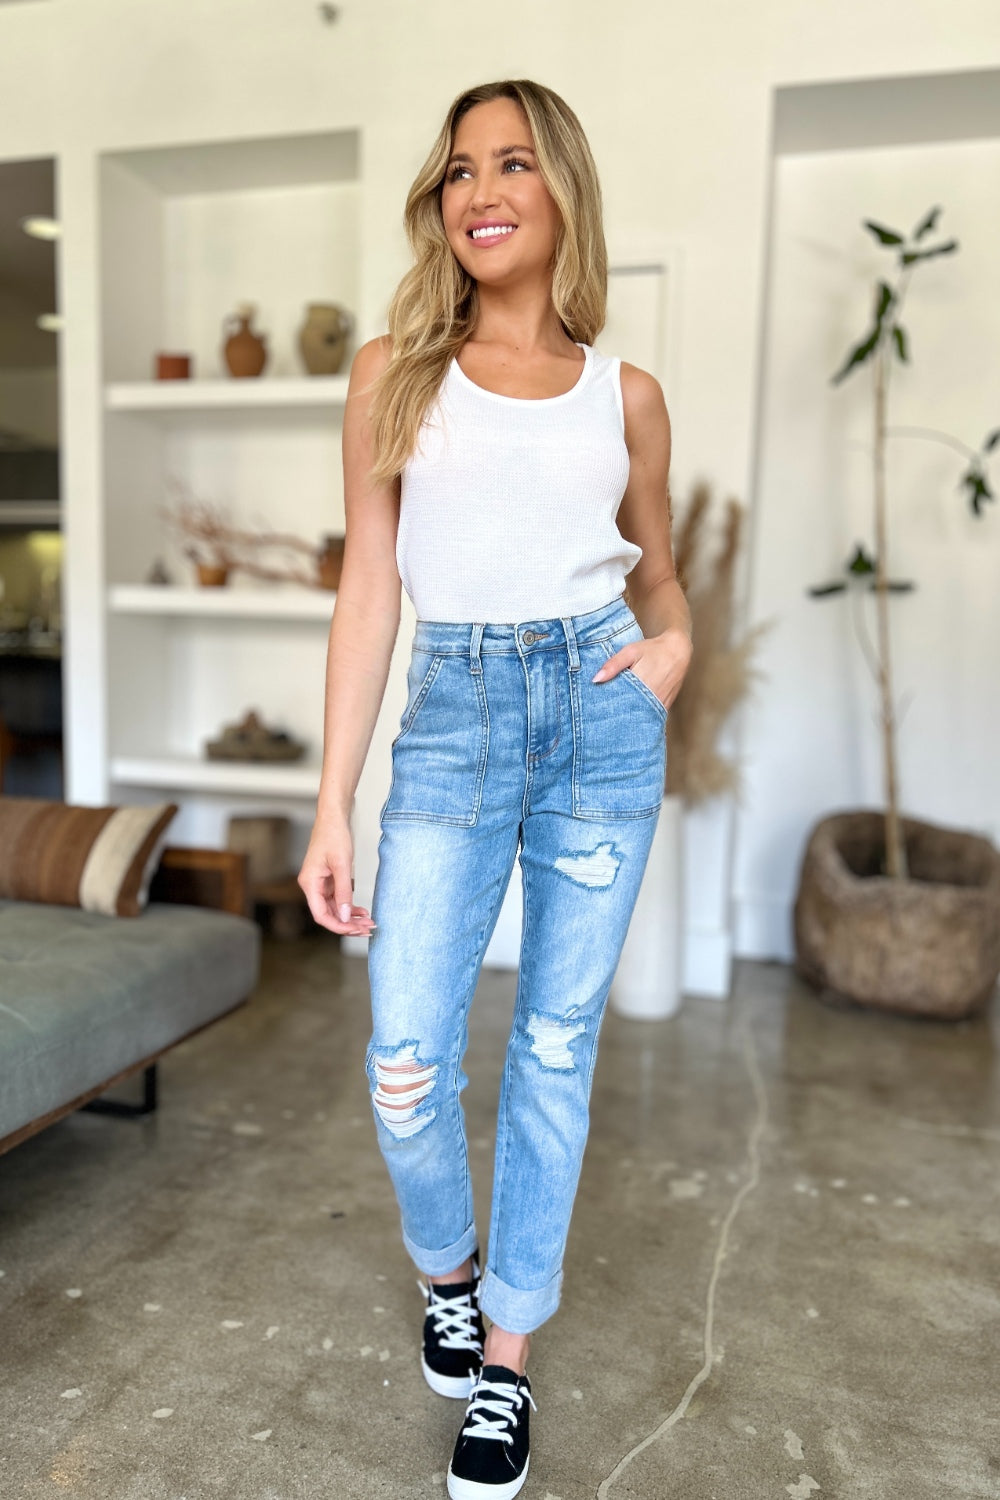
{"x":661,"y":661}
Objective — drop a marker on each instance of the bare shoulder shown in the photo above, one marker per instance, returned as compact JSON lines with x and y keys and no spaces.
{"x":370,"y":361}
{"x":646,"y":416}
{"x":642,"y":394}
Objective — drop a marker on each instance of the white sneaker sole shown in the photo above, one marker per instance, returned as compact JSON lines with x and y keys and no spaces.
{"x":459,"y":1387}
{"x":468,"y":1489}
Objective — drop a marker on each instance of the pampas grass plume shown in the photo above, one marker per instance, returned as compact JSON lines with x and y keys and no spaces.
{"x":720,"y":671}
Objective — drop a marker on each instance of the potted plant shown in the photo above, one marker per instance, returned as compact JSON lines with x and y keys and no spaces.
{"x":217,"y":548}
{"x":891,"y":911}
{"x":648,"y":981}
{"x":206,"y":538}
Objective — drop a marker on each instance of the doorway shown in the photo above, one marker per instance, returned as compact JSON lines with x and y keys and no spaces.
{"x":31,"y":636}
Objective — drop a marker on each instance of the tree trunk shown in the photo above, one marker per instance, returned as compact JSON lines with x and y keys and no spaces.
{"x":895,"y":847}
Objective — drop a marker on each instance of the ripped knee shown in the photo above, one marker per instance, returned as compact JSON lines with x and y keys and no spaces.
{"x":594,"y":868}
{"x":403,"y":1090}
{"x":551,"y":1038}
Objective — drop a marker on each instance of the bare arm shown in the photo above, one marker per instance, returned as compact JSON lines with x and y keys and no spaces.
{"x":662,"y":659}
{"x":362,"y":636}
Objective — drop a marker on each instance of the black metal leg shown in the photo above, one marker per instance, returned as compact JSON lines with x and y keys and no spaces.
{"x":117,"y":1107}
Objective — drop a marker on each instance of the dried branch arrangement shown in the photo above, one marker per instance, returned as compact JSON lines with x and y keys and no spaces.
{"x":719,"y":674}
{"x":209,"y":538}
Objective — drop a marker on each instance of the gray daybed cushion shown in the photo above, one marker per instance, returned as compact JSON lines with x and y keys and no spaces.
{"x":85,"y":996}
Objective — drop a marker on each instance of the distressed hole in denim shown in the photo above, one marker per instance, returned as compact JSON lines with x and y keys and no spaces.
{"x":595,"y":868}
{"x":403,"y":1085}
{"x":550,"y":1040}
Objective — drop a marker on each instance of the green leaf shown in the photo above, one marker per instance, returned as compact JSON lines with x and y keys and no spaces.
{"x":884,"y":236}
{"x":909,"y":256}
{"x":926,"y":225}
{"x":860,"y":563}
{"x":820,"y":590}
{"x":858,"y":355}
{"x":992,"y":441}
{"x":975,"y":482}
{"x":899,"y":334}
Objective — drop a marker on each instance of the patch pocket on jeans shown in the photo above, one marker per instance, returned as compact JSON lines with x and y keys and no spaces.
{"x":647,"y":692}
{"x":439,"y":755}
{"x":621,"y":747}
{"x":417,"y":688}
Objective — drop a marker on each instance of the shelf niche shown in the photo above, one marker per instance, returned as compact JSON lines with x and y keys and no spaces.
{"x":189,"y":231}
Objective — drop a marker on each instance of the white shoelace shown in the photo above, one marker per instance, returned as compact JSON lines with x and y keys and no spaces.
{"x":454,"y":1319}
{"x":505,"y":1409}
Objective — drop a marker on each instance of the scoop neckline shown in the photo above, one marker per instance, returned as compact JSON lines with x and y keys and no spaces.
{"x":588,"y":360}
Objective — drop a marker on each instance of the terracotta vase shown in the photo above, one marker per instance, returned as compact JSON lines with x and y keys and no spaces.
{"x":211,"y":576}
{"x":323,"y":337}
{"x":244,"y":351}
{"x":330,"y":562}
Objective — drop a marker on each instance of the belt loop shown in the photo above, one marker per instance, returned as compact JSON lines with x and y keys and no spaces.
{"x":571,"y":646}
{"x":475,"y":660}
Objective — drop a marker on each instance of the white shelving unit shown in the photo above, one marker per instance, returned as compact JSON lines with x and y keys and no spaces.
{"x":231,"y":394}
{"x":187,"y":233}
{"x":243,"y":778}
{"x":221,"y":604}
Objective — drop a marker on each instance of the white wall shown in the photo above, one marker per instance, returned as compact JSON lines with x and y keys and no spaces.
{"x":677,"y":103}
{"x":811,"y":731}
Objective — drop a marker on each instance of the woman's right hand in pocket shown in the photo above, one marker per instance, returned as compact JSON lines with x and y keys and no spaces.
{"x":325,"y":877}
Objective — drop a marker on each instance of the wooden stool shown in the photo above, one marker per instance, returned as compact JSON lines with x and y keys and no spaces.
{"x":282,"y":907}
{"x":278,"y":901}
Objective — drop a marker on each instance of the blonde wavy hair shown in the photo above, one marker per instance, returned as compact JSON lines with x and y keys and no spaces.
{"x":436,"y":305}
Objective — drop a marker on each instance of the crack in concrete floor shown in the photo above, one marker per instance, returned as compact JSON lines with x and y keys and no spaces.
{"x":753,"y":1178}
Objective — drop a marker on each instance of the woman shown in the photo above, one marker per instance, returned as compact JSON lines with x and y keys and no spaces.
{"x":510,"y":477}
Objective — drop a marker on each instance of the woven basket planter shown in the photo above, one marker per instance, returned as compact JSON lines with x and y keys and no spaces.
{"x":928,"y":945}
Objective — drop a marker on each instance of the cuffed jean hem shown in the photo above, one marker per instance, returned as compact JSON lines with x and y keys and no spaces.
{"x":518,"y":1311}
{"x":440,"y":1262}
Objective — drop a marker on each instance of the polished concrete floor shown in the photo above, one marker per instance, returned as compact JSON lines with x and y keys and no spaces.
{"x":782,"y":1277}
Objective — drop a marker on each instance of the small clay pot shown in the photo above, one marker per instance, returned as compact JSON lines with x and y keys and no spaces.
{"x":244,"y":351}
{"x":173,"y":367}
{"x":323,"y":337}
{"x":211,"y":576}
{"x":330,"y":562}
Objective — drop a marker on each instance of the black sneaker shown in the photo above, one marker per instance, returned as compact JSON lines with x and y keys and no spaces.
{"x":454,"y":1335}
{"x":490,"y":1461}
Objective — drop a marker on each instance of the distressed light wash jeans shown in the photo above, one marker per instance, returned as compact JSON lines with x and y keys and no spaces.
{"x":506,"y":746}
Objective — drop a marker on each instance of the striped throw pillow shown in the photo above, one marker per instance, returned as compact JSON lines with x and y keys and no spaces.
{"x":99,"y":858}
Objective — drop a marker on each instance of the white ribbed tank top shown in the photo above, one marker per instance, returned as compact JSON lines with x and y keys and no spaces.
{"x":508,"y":507}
